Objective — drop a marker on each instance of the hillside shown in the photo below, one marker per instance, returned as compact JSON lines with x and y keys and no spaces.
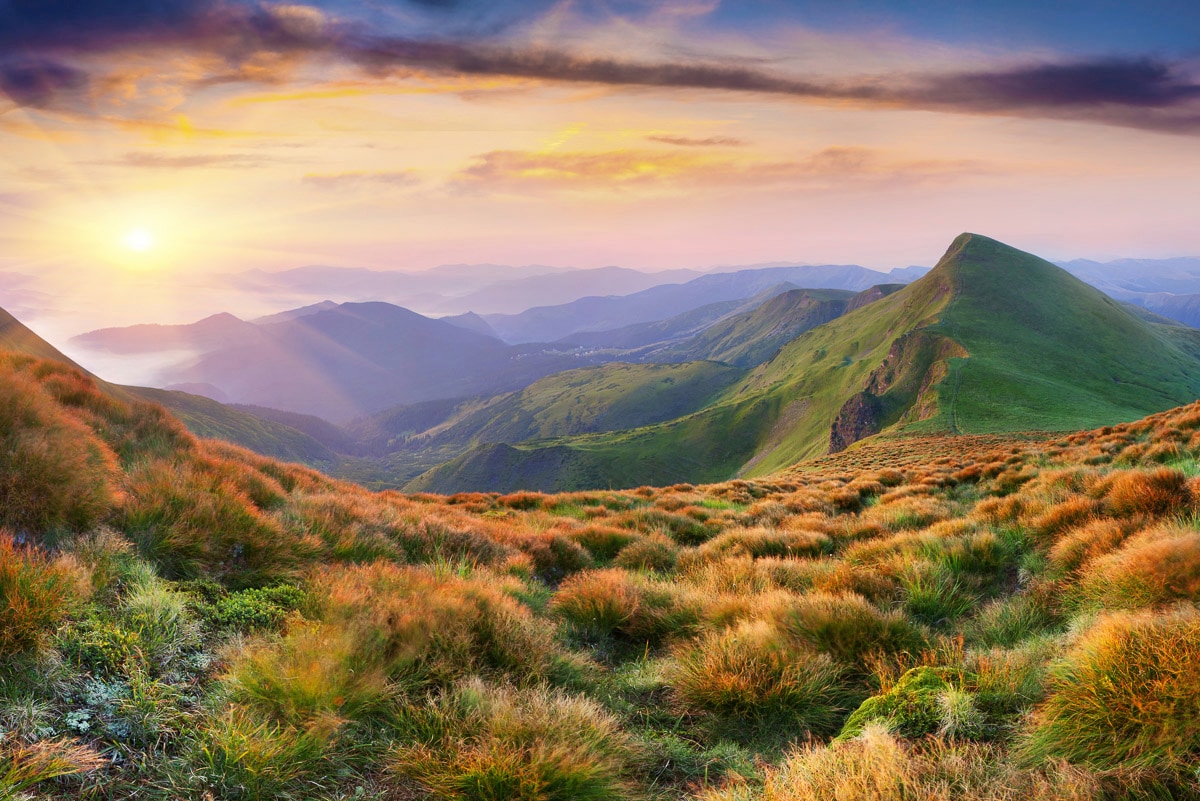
{"x":991,"y":340}
{"x":553,"y":323}
{"x":971,"y":618}
{"x":752,"y":337}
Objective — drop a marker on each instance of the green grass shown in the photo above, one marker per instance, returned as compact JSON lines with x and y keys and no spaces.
{"x":1044,"y":352}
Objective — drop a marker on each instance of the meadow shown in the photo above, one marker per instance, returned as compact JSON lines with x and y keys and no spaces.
{"x":979,"y":617}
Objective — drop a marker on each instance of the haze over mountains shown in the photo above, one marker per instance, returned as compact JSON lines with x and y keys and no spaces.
{"x":735,"y":373}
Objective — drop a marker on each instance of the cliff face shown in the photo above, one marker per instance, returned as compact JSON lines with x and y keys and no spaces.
{"x":899,"y":389}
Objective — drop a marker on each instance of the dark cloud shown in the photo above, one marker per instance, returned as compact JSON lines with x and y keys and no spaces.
{"x":265,"y":42}
{"x":37,"y":81}
{"x":707,"y":141}
{"x":1139,"y":84}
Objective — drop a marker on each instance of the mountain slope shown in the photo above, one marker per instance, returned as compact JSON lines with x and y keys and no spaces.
{"x":203,"y":417}
{"x":992,"y":339}
{"x":753,"y":337}
{"x":348,"y":360}
{"x":552,"y":323}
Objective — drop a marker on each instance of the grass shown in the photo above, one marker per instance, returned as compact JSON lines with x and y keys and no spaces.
{"x":988,"y":617}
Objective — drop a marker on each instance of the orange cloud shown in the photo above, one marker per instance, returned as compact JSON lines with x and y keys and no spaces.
{"x":523,"y":171}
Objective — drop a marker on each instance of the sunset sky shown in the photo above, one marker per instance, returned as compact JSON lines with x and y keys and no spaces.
{"x":150,"y":147}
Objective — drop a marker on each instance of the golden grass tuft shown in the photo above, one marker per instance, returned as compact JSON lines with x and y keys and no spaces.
{"x":1152,"y":492}
{"x":753,"y":677}
{"x":1127,"y":695}
{"x":1155,"y":567}
{"x":36,"y":594}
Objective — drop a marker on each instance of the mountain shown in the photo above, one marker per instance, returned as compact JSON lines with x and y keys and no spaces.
{"x":518,"y":294}
{"x":681,"y":326}
{"x":455,"y":289}
{"x":754,"y":336}
{"x":217,"y":331}
{"x":202,"y":416}
{"x":991,"y":340}
{"x":1180,"y":276}
{"x":553,"y":323}
{"x":360,"y":358}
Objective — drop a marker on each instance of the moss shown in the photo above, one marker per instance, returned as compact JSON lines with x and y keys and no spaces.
{"x":911,"y":708}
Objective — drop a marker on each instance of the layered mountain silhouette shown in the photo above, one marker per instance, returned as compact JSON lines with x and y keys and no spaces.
{"x":343,"y":361}
{"x":993,"y":339}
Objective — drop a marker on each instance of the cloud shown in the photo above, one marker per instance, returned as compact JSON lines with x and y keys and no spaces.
{"x":521,"y":172}
{"x":36,"y":82}
{"x":166,"y":162}
{"x":351,"y":180}
{"x":708,"y":141}
{"x":240,"y":42}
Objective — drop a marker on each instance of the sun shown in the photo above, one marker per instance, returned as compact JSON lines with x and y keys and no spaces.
{"x":139,"y":240}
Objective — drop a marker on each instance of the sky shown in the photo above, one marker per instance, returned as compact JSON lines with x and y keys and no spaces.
{"x":149,"y":149}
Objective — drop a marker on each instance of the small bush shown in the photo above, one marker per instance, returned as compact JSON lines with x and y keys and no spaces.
{"x":933,"y":595}
{"x":256,"y":609}
{"x":1008,"y":621}
{"x":1152,"y":492}
{"x":243,"y":757}
{"x":655,"y":552}
{"x":618,"y":603}
{"x":879,"y":766}
{"x":54,"y":471}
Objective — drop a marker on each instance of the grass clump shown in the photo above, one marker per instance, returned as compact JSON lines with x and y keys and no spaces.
{"x":848,"y":628}
{"x":36,"y":595}
{"x":485,"y":743}
{"x":628,"y":606}
{"x":1126,"y":696}
{"x":754,"y":683}
{"x":1160,"y":566}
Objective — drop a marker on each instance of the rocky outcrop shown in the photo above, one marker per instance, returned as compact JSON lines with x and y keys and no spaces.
{"x":899,"y":389}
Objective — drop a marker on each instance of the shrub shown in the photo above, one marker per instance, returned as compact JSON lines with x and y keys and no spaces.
{"x":36,"y":594}
{"x":555,"y":556}
{"x":1126,"y":696}
{"x":754,"y":680}
{"x":429,"y":628}
{"x":243,"y":757}
{"x":161,"y":620}
{"x":1077,"y":547}
{"x":192,"y":522}
{"x":256,"y":609}
{"x":486,"y":744}
{"x":1008,"y":621}
{"x":603,"y":542}
{"x":933,"y":595}
{"x":764,"y":542}
{"x":878,"y":766}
